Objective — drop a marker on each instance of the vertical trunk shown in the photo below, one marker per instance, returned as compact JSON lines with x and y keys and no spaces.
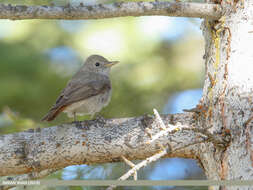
{"x":228,"y":92}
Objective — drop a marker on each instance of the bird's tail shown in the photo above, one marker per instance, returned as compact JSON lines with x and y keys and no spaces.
{"x":53,"y":112}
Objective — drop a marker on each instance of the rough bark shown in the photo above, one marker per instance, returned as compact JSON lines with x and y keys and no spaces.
{"x":201,"y":10}
{"x":93,"y":142}
{"x":227,"y":94}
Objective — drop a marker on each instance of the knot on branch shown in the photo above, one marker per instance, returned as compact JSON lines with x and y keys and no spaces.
{"x":222,"y":139}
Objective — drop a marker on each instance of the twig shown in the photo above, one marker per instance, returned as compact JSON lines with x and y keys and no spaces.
{"x":140,"y":165}
{"x":171,"y":128}
{"x":165,"y":130}
{"x":162,"y":133}
{"x":131,"y":164}
{"x":159,"y":119}
{"x":143,"y":163}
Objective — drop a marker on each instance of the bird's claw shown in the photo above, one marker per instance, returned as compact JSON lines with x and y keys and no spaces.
{"x":77,"y":123}
{"x":100,"y":119}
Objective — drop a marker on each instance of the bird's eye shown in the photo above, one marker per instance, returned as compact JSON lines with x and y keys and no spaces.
{"x":97,"y":64}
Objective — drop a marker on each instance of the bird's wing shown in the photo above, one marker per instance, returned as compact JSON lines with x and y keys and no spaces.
{"x":84,"y":91}
{"x":75,"y":91}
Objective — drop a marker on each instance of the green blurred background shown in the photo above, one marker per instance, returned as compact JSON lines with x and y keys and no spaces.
{"x":159,"y":56}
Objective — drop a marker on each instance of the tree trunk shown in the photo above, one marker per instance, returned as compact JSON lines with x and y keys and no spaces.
{"x":227,"y":93}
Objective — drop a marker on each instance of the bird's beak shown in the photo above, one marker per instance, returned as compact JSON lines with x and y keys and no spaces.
{"x":111,"y":63}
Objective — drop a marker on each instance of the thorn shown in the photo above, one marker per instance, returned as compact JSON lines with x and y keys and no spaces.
{"x":159,"y":119}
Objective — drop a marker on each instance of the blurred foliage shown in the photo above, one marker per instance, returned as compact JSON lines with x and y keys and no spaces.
{"x":151,"y":68}
{"x":39,"y":57}
{"x":10,"y":120}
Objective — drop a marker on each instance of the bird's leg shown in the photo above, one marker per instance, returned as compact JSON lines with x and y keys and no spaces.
{"x":74,"y":116}
{"x":78,"y":123}
{"x":96,"y":116}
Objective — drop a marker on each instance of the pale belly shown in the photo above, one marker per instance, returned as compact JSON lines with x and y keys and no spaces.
{"x":89,"y":106}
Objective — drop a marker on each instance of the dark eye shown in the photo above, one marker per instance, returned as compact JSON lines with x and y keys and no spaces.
{"x":97,"y":64}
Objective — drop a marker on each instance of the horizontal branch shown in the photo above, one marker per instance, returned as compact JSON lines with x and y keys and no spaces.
{"x":93,"y":142}
{"x":119,"y":9}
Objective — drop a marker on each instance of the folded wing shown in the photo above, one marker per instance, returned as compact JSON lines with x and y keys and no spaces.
{"x":76,"y":91}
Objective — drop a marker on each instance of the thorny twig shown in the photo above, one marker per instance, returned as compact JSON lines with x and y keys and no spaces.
{"x":131,"y":164}
{"x":216,"y":139}
{"x":149,"y":160}
{"x":164,"y":151}
{"x":165,"y":130}
{"x":153,"y":158}
{"x":159,"y":119}
{"x":140,"y":165}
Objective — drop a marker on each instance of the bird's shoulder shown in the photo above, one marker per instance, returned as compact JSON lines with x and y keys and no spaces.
{"x":87,"y":80}
{"x":83,"y":83}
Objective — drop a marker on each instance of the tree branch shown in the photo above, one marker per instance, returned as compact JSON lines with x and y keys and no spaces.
{"x":140,"y":165}
{"x":92,"y":142}
{"x":120,"y":9}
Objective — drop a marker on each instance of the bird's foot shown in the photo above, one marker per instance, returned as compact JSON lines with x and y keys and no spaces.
{"x":77,"y":123}
{"x":100,"y":119}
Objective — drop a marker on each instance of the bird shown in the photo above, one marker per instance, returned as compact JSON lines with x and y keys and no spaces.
{"x":87,"y":92}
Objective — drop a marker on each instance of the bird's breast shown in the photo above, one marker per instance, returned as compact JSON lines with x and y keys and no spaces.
{"x":90,"y":105}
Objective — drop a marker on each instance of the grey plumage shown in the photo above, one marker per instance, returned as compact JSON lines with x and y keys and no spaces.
{"x":87,"y":92}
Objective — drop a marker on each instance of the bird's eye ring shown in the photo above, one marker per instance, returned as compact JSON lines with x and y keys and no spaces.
{"x":97,"y":64}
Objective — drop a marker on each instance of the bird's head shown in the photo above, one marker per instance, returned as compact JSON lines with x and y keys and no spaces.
{"x":98,"y":64}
